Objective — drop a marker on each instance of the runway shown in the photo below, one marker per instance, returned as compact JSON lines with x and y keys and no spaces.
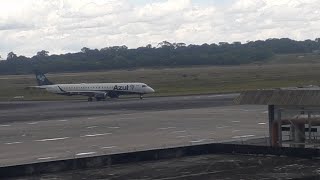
{"x":44,"y":131}
{"x":27,"y":111}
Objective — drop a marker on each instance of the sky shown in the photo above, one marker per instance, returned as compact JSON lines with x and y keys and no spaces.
{"x":62,"y":26}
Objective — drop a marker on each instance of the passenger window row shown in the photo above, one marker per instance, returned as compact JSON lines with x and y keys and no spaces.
{"x":87,"y":87}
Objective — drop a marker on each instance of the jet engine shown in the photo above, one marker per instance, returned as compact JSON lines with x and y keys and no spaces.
{"x":113,"y":94}
{"x":100,"y":96}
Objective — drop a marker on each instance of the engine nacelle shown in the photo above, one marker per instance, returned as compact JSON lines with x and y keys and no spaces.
{"x":100,"y":95}
{"x":113,"y":94}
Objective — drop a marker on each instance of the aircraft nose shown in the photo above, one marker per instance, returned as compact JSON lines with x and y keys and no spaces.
{"x":150,"y":90}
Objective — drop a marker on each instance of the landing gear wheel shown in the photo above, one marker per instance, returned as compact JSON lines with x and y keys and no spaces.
{"x":90,"y":99}
{"x":141,"y":96}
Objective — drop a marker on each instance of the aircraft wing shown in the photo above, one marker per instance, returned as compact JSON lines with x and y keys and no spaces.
{"x":86,"y":93}
{"x":35,"y":87}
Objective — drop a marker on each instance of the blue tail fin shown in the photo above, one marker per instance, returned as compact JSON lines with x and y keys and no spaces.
{"x":42,"y":79}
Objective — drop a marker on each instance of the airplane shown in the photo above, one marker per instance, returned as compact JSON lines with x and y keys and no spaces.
{"x":99,"y":91}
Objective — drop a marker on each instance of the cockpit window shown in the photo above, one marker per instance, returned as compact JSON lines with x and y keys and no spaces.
{"x":144,"y":85}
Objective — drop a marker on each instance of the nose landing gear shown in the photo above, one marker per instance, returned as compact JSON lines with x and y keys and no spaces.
{"x":141,"y":96}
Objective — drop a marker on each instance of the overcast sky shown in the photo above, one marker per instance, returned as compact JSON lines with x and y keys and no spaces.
{"x":60,"y":26}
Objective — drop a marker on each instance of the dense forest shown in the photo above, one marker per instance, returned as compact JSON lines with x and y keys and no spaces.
{"x":165,"y":54}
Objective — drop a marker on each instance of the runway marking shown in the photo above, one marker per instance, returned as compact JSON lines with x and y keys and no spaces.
{"x":165,"y":128}
{"x":219,"y":95}
{"x":222,"y":127}
{"x":32,"y":123}
{"x":5,"y":125}
{"x":183,"y":136}
{"x":244,"y":136}
{"x":179,"y":131}
{"x":85,"y":153}
{"x":262,"y":123}
{"x":94,"y":135}
{"x":46,"y":158}
{"x":91,"y":118}
{"x":115,"y":127}
{"x":109,"y":147}
{"x":91,"y":127}
{"x":10,"y":143}
{"x":126,"y":118}
{"x":235,"y":121}
{"x":264,"y":112}
{"x":53,"y":139}
{"x":235,"y":131}
{"x":62,"y":120}
{"x":197,"y":141}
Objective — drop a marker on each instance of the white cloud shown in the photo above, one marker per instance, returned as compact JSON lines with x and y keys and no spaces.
{"x":61,"y":26}
{"x":245,"y":6}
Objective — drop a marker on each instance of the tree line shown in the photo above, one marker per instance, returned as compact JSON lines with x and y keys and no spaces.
{"x":165,"y":54}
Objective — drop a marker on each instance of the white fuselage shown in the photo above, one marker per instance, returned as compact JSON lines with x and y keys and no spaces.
{"x":86,"y":88}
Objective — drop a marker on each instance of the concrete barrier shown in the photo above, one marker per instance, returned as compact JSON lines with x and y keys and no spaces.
{"x":151,"y":155}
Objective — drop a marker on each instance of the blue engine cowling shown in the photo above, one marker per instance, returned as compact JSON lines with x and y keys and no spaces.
{"x":113,"y":94}
{"x":100,"y":95}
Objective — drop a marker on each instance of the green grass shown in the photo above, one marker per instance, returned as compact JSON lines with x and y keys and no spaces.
{"x":295,"y":58}
{"x":176,"y":81}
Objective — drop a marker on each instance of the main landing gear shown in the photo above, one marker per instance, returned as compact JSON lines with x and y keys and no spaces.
{"x":90,"y":99}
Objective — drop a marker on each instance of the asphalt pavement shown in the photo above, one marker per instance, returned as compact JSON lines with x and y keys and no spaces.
{"x":45,"y":131}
